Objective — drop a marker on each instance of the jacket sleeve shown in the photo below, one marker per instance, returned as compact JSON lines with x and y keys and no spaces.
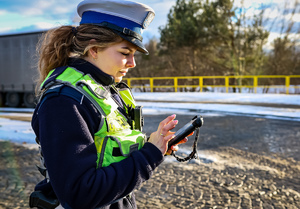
{"x":65,"y":129}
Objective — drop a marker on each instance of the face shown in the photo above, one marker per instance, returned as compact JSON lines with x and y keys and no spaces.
{"x":115,"y":60}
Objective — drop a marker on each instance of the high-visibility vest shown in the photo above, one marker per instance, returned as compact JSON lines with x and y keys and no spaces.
{"x":115,"y":139}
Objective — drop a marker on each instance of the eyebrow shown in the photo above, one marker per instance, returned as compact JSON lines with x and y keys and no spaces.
{"x":128,"y":48}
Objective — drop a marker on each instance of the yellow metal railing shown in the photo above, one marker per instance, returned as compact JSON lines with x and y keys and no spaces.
{"x":249,"y":81}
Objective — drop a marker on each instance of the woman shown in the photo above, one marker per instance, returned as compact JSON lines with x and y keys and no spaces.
{"x":93,"y":153}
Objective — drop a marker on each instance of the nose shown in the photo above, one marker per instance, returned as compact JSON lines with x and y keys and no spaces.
{"x":130,"y":62}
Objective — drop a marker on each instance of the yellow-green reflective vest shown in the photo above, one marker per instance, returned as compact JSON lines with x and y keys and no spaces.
{"x":114,"y":140}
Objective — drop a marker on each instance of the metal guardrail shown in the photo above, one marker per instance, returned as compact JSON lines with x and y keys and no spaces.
{"x":249,"y":81}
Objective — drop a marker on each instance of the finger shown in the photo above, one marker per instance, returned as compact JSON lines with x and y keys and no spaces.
{"x":171,"y":125}
{"x":170,"y":133}
{"x":169,"y":137}
{"x":183,"y":141}
{"x":190,"y":134}
{"x":174,"y":148}
{"x":166,"y":121}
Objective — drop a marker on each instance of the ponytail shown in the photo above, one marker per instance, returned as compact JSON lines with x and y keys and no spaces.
{"x":54,"y":48}
{"x":57,"y":45}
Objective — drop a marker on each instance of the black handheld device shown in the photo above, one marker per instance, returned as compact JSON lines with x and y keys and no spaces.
{"x":187,"y":129}
{"x":136,"y":119}
{"x":41,"y":201}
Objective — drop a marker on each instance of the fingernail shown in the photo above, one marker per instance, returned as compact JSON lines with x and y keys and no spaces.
{"x":174,"y":115}
{"x":176,"y":121}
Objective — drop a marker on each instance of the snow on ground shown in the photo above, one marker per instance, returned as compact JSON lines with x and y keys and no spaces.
{"x":208,"y":109}
{"x":21,"y":132}
{"x":16,"y":131}
{"x":158,"y":102}
{"x":220,"y":97}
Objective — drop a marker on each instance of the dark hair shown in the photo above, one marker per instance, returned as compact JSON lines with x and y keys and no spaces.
{"x":57,"y":45}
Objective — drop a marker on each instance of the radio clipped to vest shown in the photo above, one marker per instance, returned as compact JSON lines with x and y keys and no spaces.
{"x":136,"y":118}
{"x":134,"y":112}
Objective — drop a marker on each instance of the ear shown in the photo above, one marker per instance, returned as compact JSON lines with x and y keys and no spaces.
{"x":93,"y":52}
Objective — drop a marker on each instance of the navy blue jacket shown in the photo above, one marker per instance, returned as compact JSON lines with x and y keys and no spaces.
{"x":65,"y":128}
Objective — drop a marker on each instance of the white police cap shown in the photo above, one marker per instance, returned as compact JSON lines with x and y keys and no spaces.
{"x":126,"y":18}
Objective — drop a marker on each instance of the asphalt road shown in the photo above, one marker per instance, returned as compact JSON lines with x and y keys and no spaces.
{"x":252,"y":134}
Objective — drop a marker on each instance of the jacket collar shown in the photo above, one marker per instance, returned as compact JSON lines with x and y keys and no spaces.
{"x":88,"y":68}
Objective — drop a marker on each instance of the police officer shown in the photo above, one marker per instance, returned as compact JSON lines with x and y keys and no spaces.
{"x":94,"y":153}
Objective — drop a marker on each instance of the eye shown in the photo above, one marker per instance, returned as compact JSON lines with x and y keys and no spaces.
{"x":125,"y":54}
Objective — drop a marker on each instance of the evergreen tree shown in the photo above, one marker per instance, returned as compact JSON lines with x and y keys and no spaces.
{"x":211,"y":38}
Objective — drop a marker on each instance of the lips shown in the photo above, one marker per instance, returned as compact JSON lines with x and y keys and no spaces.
{"x":123,"y":72}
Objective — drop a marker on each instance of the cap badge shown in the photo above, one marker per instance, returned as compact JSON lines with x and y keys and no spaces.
{"x":150,"y":16}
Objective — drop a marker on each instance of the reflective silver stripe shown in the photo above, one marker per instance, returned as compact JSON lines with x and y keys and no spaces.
{"x":43,"y":166}
{"x":90,"y":98}
{"x":133,"y":147}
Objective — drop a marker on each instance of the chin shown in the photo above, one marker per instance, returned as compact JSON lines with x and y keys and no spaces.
{"x":117,"y":80}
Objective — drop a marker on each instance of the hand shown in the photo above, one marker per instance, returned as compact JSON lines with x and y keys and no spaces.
{"x":175,"y":147}
{"x":163,"y":135}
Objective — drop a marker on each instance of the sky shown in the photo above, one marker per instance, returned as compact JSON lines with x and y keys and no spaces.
{"x":21,"y":132}
{"x":19,"y":16}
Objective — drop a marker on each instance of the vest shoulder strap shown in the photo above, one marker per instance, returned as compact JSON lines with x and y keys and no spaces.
{"x":74,"y":93}
{"x":61,"y":90}
{"x":51,"y":79}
